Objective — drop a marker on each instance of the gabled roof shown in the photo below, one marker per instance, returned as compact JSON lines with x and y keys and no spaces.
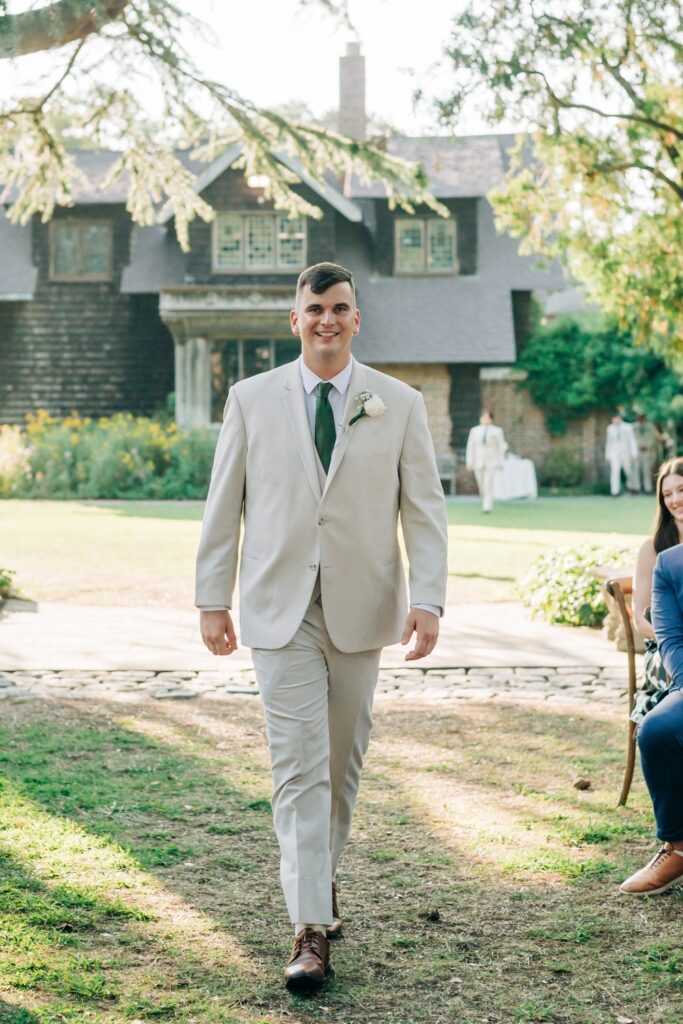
{"x":96,"y":165}
{"x":464,"y":167}
{"x":322,"y":187}
{"x":18,"y":276}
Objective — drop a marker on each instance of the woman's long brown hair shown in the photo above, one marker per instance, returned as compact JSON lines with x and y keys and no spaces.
{"x":665,"y":529}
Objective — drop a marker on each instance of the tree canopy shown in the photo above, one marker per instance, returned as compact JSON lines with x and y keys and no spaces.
{"x":577,"y":365}
{"x":598,"y":180}
{"x":108,"y":57}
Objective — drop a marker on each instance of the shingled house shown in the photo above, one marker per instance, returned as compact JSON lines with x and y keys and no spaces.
{"x":98,"y":315}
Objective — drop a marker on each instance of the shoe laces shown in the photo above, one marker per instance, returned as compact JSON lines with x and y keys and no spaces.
{"x":662,"y":852}
{"x":308,"y":938}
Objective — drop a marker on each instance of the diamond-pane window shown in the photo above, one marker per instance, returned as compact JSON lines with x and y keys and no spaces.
{"x":425,"y":245}
{"x":80,"y":250}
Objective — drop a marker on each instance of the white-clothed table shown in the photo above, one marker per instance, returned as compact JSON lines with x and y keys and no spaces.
{"x":517,"y":479}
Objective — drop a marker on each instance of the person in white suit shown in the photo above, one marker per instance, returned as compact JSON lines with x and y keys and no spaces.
{"x":621,"y":452}
{"x":485,"y":454}
{"x":320,"y":458}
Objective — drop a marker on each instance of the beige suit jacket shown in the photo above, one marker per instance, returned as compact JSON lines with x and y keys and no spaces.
{"x":265,"y":472}
{"x":489,"y":454}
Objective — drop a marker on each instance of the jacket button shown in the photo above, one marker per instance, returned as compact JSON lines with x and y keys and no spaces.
{"x":321,"y":520}
{"x":313,"y":566}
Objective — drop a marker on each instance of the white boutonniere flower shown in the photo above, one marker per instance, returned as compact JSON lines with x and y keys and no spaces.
{"x":370,"y":405}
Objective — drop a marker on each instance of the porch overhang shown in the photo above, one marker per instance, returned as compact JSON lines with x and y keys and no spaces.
{"x":226,"y":311}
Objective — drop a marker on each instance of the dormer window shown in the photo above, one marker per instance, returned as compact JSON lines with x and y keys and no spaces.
{"x":80,"y":250}
{"x":425,"y":245}
{"x":258,"y":243}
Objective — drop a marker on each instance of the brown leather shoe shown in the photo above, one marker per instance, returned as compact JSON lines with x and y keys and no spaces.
{"x":309,"y":963}
{"x":334,"y":930}
{"x":664,"y":870}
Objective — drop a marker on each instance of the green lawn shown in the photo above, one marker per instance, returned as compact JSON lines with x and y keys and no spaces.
{"x":139,"y":876}
{"x":140,"y":553}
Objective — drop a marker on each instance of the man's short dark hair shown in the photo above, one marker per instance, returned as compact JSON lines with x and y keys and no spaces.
{"x":322,"y":276}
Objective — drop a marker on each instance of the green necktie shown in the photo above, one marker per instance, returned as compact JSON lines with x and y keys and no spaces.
{"x":325,"y":433}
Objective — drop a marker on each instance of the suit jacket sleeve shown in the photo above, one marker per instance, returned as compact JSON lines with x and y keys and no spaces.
{"x":219,"y":544}
{"x":469,"y":451}
{"x":667,"y":617}
{"x":423,"y":512}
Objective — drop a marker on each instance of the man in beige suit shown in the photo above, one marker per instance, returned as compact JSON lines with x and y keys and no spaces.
{"x":485,"y":456}
{"x":319,"y":458}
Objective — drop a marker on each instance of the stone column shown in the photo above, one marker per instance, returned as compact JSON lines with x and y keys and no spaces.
{"x":192,"y":383}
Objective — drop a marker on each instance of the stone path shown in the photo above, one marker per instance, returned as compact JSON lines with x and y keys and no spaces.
{"x":579,"y":683}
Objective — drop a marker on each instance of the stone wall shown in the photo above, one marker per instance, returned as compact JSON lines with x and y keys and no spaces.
{"x":525,"y":430}
{"x":433,"y":380}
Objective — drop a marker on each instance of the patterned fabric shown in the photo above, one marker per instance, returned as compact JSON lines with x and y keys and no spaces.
{"x":655,"y":684}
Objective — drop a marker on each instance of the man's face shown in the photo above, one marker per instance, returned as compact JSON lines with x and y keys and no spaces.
{"x":326,"y":324}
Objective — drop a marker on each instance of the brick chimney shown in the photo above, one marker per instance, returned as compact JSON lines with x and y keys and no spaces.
{"x":352,"y":119}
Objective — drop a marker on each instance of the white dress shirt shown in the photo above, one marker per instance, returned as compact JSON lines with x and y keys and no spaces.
{"x":337,"y":399}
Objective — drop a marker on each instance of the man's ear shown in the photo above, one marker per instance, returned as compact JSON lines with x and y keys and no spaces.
{"x":294,"y":322}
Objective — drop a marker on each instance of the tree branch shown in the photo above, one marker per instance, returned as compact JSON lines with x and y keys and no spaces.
{"x":60,"y":23}
{"x":640,"y":166}
{"x":570,"y":105}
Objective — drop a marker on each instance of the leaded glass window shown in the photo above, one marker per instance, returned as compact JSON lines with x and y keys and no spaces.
{"x":259,"y":242}
{"x":410,"y":246}
{"x":80,"y":250}
{"x":425,"y":245}
{"x":441,"y":244}
{"x":229,"y":252}
{"x":291,"y":241}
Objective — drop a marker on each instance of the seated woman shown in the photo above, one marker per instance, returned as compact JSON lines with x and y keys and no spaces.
{"x":660,"y":736}
{"x":667,"y":531}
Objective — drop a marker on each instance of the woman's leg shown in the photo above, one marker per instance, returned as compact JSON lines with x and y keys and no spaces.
{"x":660,"y":739}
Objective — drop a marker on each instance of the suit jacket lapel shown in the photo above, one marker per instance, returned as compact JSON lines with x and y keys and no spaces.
{"x":295,"y":406}
{"x":356,"y":385}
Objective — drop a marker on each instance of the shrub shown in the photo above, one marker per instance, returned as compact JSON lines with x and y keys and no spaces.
{"x":14,"y":460}
{"x":561,"y":468}
{"x":560,"y":586}
{"x":6,"y":584}
{"x":121,"y":456}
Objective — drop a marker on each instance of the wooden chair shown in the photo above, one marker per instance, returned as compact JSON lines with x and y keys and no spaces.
{"x":619,"y":589}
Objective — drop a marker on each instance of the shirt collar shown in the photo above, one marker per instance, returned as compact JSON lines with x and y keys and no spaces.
{"x":340,"y":382}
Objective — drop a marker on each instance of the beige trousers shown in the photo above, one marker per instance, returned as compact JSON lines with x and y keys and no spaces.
{"x":485,"y":478}
{"x":318,"y":710}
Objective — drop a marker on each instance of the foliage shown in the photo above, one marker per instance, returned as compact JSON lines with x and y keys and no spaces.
{"x":14,"y":459}
{"x":561,"y":467}
{"x":115,"y":457}
{"x":6,"y":583}
{"x":598,"y":184}
{"x":137,"y":44}
{"x":560,"y":586}
{"x":582,"y":364}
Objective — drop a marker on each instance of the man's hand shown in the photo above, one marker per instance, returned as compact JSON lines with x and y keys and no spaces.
{"x":218,"y":632}
{"x":426,"y":627}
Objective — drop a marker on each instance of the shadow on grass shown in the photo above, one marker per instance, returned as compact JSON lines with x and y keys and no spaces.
{"x":191,"y":509}
{"x":458,"y":887}
{"x":15,"y":1014}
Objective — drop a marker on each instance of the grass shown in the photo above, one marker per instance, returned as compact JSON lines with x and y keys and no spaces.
{"x":117,"y":553}
{"x":138,"y":872}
